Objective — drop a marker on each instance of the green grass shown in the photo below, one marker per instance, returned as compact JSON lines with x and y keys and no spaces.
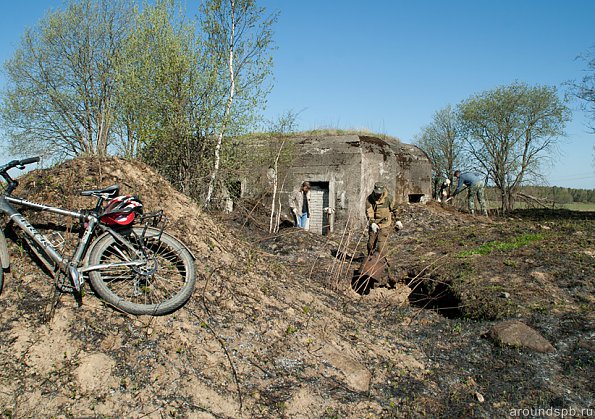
{"x":489,"y":247}
{"x":579,"y":206}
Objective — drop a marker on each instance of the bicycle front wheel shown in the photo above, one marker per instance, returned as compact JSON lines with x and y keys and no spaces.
{"x":158,"y":279}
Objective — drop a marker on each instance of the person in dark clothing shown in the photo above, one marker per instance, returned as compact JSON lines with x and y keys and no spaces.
{"x":475,"y":186}
{"x":380,"y":212}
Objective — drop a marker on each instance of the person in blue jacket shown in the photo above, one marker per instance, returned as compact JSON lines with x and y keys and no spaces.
{"x":475,"y":186}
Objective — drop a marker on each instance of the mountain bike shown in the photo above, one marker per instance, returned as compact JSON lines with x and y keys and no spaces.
{"x":130,"y":261}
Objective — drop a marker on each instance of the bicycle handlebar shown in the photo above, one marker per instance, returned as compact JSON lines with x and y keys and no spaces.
{"x":12,"y":183}
{"x":18,"y":163}
{"x":29,"y":160}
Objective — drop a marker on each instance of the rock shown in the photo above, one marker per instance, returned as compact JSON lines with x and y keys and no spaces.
{"x":516,"y":333}
{"x":354,"y":374}
{"x":541,"y":276}
{"x":479,"y":397}
{"x":504,"y":295}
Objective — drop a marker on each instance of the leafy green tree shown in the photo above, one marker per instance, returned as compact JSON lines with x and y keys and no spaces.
{"x":107,"y":76}
{"x":443,"y":141}
{"x":59,"y":99}
{"x":153,"y":77}
{"x":163,"y":80}
{"x":238,"y":38}
{"x":511,"y":129}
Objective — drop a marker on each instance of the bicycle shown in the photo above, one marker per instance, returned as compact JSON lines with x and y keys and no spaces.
{"x":130,"y":261}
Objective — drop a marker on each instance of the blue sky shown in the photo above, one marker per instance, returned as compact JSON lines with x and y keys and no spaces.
{"x":389,"y":65}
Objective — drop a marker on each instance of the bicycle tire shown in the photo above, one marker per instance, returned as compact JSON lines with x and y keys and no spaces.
{"x":166,"y":283}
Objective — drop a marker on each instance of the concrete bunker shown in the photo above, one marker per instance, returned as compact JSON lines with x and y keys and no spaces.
{"x":342,"y":170}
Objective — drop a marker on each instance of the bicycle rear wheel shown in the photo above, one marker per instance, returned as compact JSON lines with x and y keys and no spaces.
{"x":161,"y":284}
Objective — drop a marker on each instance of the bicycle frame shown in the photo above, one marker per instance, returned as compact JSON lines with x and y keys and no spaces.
{"x":130,"y":261}
{"x":70,"y":267}
{"x":39,"y":238}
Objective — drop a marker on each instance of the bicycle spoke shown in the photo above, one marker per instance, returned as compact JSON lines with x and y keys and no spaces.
{"x":165,"y":271}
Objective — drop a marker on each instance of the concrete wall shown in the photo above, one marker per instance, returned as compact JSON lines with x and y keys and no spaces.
{"x":328,"y":160}
{"x":345,"y":168}
{"x":414,"y":177}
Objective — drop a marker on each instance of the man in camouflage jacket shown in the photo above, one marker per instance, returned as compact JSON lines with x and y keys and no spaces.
{"x":380,"y":211}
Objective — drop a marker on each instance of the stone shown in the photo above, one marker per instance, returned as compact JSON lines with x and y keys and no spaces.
{"x":518,"y":334}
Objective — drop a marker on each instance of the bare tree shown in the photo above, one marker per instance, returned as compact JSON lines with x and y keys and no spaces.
{"x":443,"y":140}
{"x":61,"y":81}
{"x":584,"y":89}
{"x":510,"y":131}
{"x":283,"y":126}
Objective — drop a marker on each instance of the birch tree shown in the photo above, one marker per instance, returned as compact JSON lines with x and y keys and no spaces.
{"x":237,"y":34}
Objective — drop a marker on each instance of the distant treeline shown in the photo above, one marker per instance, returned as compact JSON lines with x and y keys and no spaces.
{"x":557,"y":194}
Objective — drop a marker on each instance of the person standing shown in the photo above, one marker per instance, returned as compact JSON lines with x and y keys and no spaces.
{"x":299,"y":202}
{"x":475,"y":185}
{"x":443,"y":191}
{"x":380,"y":211}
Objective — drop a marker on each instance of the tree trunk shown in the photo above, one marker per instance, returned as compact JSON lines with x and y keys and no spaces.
{"x":510,"y":200}
{"x":228,"y":105}
{"x":275,"y":184}
{"x":504,"y":198}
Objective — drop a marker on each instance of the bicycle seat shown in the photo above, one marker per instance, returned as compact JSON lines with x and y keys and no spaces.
{"x":104,"y":193}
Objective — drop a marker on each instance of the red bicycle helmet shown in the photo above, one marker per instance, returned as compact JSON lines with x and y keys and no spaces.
{"x":121,"y":210}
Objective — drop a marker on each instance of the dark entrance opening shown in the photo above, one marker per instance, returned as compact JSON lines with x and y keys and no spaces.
{"x":415,"y":197}
{"x":362,"y":284}
{"x":319,"y":200}
{"x":435,"y":294}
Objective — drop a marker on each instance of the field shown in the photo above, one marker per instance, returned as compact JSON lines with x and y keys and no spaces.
{"x":494,"y":205}
{"x":580,"y":206}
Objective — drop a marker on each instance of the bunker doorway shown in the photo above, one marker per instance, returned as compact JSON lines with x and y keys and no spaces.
{"x":320,"y":221}
{"x":415,"y":198}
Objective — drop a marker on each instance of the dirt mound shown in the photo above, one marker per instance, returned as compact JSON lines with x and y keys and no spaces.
{"x":275,"y":330}
{"x":61,"y":186}
{"x":256,"y":338}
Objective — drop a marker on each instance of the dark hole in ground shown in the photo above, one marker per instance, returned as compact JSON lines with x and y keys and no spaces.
{"x":285,"y":224}
{"x":372,"y":273}
{"x":362,"y":284}
{"x":435,"y":295}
